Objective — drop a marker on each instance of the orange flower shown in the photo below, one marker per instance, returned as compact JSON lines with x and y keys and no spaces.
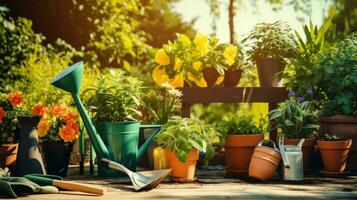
{"x":43,"y":127}
{"x":15,"y":98}
{"x":2,"y":114}
{"x":69,"y":132}
{"x":70,"y":116}
{"x":59,"y":110}
{"x":39,"y":109}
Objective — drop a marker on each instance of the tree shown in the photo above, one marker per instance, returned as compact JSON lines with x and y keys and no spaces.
{"x":344,"y":13}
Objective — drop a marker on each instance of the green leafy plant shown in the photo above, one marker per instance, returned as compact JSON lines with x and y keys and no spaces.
{"x":295,"y":119}
{"x":240,"y":123}
{"x":158,"y":107}
{"x":270,"y":40}
{"x":332,"y":137}
{"x":335,"y":78}
{"x":301,"y":67}
{"x":181,"y":135}
{"x":115,"y":97}
{"x":214,"y":56}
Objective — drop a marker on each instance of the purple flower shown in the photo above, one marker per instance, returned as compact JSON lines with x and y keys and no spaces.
{"x":309,"y":91}
{"x":291,"y":93}
{"x":300,"y":99}
{"x":202,"y":154}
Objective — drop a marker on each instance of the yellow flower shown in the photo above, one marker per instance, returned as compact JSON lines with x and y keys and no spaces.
{"x":201,"y":42}
{"x":162,"y":58}
{"x":230,"y":53}
{"x":178,"y":64}
{"x":197,"y":65}
{"x":159,"y":75}
{"x":219,"y":80}
{"x":176,"y":82}
{"x":199,"y":83}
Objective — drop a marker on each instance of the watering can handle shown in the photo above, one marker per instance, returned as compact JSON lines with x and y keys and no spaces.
{"x":301,"y":143}
{"x":270,"y":141}
{"x":148,"y":141}
{"x":282,"y":152}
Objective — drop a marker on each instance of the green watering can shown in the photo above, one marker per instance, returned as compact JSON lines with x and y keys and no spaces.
{"x":117,"y":141}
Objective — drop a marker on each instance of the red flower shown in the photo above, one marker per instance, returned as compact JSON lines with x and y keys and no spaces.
{"x":59,"y":110}
{"x":2,"y":114}
{"x":15,"y":98}
{"x":70,"y":116}
{"x":39,"y":109}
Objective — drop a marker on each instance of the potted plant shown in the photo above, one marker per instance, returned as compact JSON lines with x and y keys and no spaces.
{"x":10,"y":106}
{"x":334,"y":152}
{"x":234,"y":63}
{"x":57,"y":130}
{"x":334,"y":82}
{"x":269,"y":44}
{"x":297,"y":119}
{"x":182,"y":139}
{"x":240,"y":136}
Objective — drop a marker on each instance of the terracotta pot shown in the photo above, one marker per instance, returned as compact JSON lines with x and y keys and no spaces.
{"x":264,"y":164}
{"x":8,"y":154}
{"x":334,"y":154}
{"x":269,"y":71}
{"x":239,"y":150}
{"x":344,"y":126}
{"x":182,"y":170}
{"x":232,"y":77}
{"x":307,"y":150}
{"x":210,"y":75}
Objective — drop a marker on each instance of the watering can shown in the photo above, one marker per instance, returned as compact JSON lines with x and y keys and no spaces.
{"x":119,"y":142}
{"x":292,"y":168}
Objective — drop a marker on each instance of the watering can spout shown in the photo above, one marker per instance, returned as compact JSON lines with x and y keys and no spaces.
{"x":148,"y":141}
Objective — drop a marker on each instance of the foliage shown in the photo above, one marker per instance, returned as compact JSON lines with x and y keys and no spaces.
{"x":115,"y":97}
{"x":331,"y":137}
{"x":296,"y":119}
{"x":57,"y":123}
{"x":344,"y":13}
{"x":270,"y":40}
{"x":241,"y":123}
{"x":18,"y":42}
{"x":183,"y":59}
{"x":160,"y":106}
{"x":301,"y":67}
{"x":10,"y":108}
{"x":181,"y":135}
{"x":335,"y":78}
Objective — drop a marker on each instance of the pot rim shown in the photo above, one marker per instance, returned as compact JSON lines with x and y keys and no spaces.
{"x":119,"y":122}
{"x":337,"y":145}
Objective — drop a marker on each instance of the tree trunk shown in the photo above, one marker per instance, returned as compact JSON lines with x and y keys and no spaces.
{"x":232,"y":13}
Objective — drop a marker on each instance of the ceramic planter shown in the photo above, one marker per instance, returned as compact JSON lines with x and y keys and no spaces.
{"x":8,"y":153}
{"x":182,"y":171}
{"x":344,"y":126}
{"x":265,"y":161}
{"x":232,"y":77}
{"x":238,"y":152}
{"x":269,"y":71}
{"x":334,"y":154}
{"x":307,"y":150}
{"x":57,"y":157}
{"x":210,"y":75}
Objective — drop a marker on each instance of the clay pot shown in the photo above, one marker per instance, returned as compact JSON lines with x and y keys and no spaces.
{"x":334,"y":154}
{"x":269,"y":71}
{"x":307,"y":150}
{"x":344,"y":126}
{"x":182,"y":170}
{"x":57,"y":157}
{"x":210,"y":75}
{"x":8,"y":153}
{"x":239,"y":150}
{"x":265,"y":162}
{"x":232,"y":77}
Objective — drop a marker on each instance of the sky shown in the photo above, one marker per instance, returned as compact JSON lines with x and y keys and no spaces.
{"x":245,"y":18}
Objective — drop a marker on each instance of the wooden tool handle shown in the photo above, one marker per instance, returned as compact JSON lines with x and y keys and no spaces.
{"x":67,"y":185}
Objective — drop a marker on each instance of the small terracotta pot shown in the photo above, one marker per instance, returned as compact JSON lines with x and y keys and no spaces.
{"x":239,"y":150}
{"x":232,"y":77}
{"x":182,"y":170}
{"x":210,"y":75}
{"x":307,"y":150}
{"x":334,"y":154}
{"x":8,"y":154}
{"x":264,"y":164}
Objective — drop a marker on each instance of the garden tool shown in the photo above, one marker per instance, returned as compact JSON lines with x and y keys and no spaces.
{"x":13,"y":187}
{"x":292,"y":168}
{"x":45,"y":180}
{"x":120,"y":144}
{"x":146,"y":180}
